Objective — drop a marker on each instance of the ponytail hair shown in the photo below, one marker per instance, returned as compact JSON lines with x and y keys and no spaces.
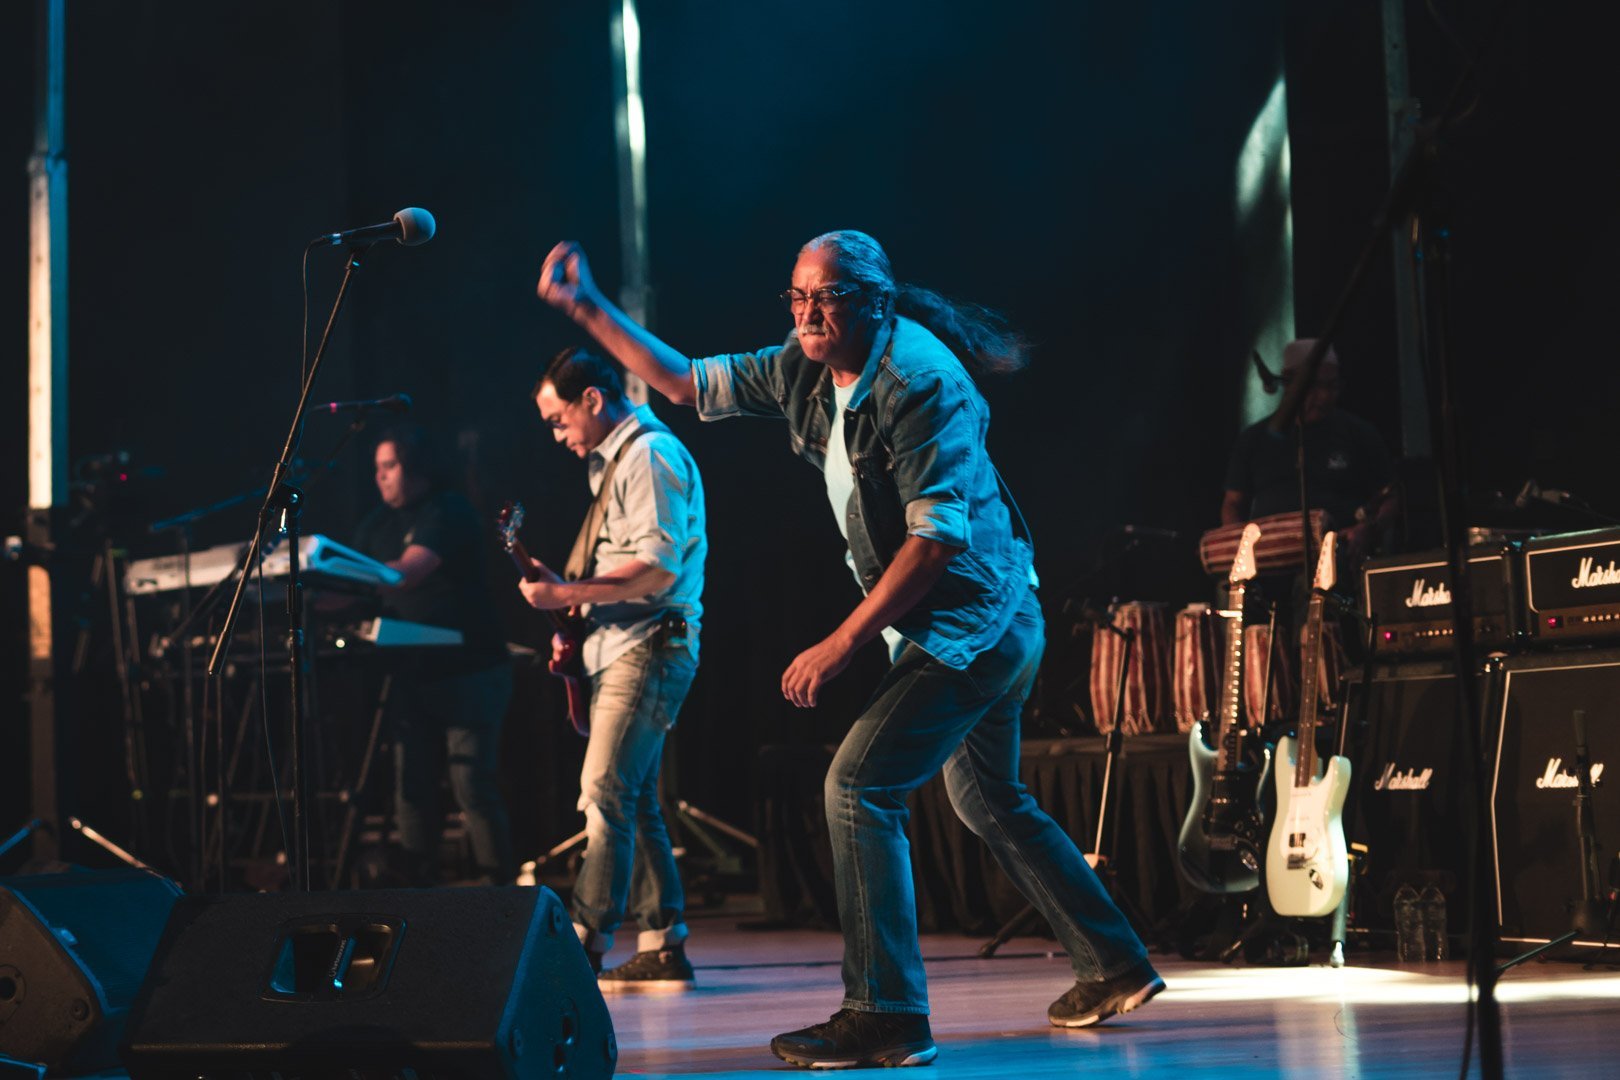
{"x":980,"y":337}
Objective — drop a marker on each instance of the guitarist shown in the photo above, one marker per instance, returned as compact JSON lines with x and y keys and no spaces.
{"x":636,"y":574}
{"x":448,"y":703}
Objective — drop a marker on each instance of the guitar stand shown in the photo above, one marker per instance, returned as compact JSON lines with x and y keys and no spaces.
{"x":1265,"y":918}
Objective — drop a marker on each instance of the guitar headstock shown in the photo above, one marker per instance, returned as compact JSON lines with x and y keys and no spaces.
{"x":1327,"y":567}
{"x":1243,"y":564}
{"x":508,"y":522}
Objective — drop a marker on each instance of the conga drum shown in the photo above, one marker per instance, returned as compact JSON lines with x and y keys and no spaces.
{"x":1276,"y":553}
{"x":1283,"y":663}
{"x":1147,"y":681}
{"x":1196,"y":665}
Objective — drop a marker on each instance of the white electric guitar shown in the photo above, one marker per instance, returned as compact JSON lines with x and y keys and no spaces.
{"x":1307,"y":864}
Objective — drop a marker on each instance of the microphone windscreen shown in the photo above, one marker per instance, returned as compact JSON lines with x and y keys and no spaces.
{"x":415,"y":226}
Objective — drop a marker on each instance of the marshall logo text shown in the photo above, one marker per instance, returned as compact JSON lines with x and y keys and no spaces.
{"x":1556,"y":777}
{"x":1410,"y":780}
{"x":1433,"y":596}
{"x":1590,"y":577}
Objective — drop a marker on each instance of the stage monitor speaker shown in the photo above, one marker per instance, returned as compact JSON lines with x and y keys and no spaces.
{"x":73,"y":950}
{"x":478,"y":983}
{"x":1408,"y":800}
{"x":1538,"y":870}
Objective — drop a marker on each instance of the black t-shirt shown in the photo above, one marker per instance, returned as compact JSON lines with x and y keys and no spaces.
{"x":456,"y":594}
{"x":1346,"y":463}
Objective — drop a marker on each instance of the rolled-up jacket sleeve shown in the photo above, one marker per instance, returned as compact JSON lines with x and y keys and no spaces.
{"x":740,"y":384}
{"x":936,"y":443}
{"x":653,"y":491}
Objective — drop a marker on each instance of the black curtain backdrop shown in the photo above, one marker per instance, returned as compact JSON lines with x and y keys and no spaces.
{"x":1072,"y":165}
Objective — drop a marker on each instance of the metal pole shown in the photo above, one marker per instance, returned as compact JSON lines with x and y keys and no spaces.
{"x":47,"y":421}
{"x":1404,"y":114}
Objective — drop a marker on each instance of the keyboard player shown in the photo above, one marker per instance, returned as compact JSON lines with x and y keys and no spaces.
{"x":448,"y":706}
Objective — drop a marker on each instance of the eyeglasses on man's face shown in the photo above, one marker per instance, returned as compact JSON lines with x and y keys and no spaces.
{"x":825,"y":298}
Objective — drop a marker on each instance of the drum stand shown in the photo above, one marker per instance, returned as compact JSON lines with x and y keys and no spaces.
{"x":1096,"y":858}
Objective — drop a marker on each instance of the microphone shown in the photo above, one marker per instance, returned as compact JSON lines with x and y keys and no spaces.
{"x":394,"y":403}
{"x":411,"y":226}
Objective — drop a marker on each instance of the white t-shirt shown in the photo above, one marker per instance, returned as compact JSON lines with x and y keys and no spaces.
{"x":841,"y":488}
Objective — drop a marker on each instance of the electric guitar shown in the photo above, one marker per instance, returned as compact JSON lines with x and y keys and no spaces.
{"x":1307,"y":865}
{"x":1221,"y":838}
{"x":566,"y":662}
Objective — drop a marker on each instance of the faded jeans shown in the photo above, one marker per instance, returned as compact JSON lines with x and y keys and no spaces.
{"x":924,"y":716}
{"x":629,"y":866}
{"x":454,"y":720}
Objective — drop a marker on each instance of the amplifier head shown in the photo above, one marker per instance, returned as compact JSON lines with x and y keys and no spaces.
{"x":1411,"y":598}
{"x":1572,"y":586}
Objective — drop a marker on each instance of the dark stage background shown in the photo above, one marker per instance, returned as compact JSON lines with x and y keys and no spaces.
{"x":1072,"y":165}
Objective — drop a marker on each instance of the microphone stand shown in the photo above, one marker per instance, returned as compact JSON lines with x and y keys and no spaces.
{"x":196,"y":733}
{"x":286,"y":501}
{"x":1405,"y":203}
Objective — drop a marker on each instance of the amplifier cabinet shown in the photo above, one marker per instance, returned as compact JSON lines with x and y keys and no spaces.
{"x":1572,"y":586}
{"x":1410,"y":596}
{"x":1409,"y":788}
{"x":1533,"y":835}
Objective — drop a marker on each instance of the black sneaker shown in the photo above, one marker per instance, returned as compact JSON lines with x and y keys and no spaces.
{"x":853,"y":1038}
{"x":1092,"y":1003}
{"x":657,"y":969}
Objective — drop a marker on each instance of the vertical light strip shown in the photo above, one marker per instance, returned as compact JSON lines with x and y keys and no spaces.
{"x":1264,"y":217}
{"x":47,"y":273}
{"x":630,"y":131}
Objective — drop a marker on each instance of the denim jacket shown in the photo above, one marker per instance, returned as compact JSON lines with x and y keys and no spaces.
{"x":915,"y":433}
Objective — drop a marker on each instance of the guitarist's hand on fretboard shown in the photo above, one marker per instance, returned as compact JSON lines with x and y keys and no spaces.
{"x":540,"y":587}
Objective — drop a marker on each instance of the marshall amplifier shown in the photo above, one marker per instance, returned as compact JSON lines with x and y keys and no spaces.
{"x":1533,"y":835}
{"x":1409,"y":789}
{"x":1572,"y":586}
{"x":1410,"y":596}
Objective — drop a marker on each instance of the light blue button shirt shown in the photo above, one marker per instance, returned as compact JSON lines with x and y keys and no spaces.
{"x":655,"y":513}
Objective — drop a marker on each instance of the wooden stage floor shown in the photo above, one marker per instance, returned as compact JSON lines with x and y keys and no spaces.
{"x":1368,"y":1019}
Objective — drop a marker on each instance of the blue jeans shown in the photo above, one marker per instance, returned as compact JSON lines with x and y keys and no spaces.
{"x":628,"y":865}
{"x":924,"y":716}
{"x":457,"y":720}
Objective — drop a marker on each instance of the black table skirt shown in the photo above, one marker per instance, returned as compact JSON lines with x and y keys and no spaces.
{"x":959,"y":886}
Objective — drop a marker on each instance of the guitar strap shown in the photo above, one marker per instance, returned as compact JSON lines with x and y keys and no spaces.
{"x":583,"y":556}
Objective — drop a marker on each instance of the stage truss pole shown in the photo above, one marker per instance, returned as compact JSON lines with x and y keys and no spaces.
{"x":47,"y":430}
